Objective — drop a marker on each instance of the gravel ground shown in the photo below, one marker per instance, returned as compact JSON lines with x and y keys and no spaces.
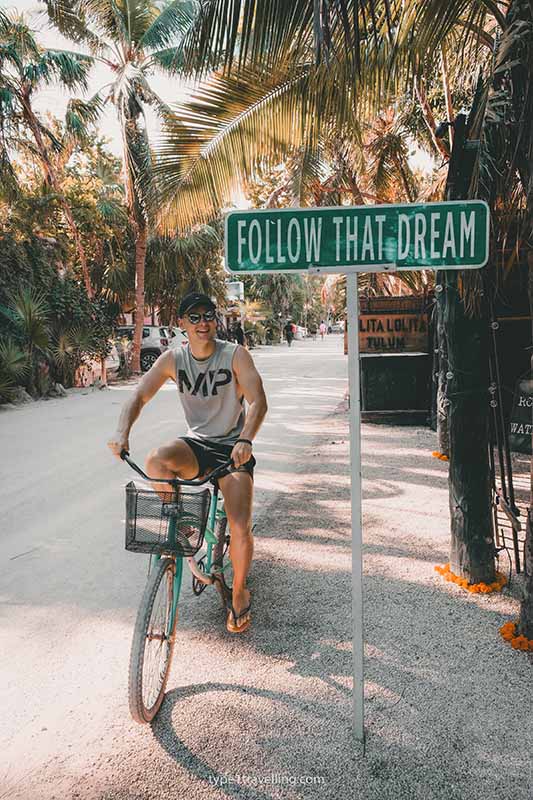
{"x":268,"y":715}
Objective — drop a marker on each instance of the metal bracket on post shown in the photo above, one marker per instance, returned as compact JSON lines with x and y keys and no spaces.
{"x":351,"y":269}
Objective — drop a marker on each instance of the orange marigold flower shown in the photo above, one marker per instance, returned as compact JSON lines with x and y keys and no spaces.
{"x":508,"y":632}
{"x":508,"y":626}
{"x":520,"y":643}
{"x":473,"y":588}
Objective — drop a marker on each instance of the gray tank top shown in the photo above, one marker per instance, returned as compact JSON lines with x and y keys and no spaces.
{"x":208,"y":393}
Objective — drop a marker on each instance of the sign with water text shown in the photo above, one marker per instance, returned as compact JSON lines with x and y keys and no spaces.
{"x":453,"y":234}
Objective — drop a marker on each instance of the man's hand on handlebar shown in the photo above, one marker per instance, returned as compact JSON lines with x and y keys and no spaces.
{"x":117,"y":444}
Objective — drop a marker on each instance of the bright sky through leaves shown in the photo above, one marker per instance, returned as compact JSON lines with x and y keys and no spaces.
{"x":54,"y":100}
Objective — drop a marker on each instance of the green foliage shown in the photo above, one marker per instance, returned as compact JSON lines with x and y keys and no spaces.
{"x":47,"y":318}
{"x":14,"y":367}
{"x":177,"y":265}
{"x":256,"y":333}
{"x":80,"y":328}
{"x":28,"y":311}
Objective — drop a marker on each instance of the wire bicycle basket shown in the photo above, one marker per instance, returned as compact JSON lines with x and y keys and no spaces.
{"x":166,"y":522}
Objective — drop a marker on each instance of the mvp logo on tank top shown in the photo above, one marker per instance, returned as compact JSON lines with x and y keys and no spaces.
{"x":206,"y":383}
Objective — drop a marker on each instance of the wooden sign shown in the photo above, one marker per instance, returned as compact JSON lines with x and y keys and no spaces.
{"x":400,"y":333}
{"x":521,"y":422}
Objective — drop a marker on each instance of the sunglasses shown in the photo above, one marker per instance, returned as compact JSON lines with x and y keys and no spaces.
{"x":195,"y":316}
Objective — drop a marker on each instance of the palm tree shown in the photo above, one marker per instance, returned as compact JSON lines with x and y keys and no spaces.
{"x":25,"y":68}
{"x":291,"y":71}
{"x":288,"y":75}
{"x":133,"y":39}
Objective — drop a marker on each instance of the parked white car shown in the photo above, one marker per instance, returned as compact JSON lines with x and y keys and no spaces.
{"x":176,"y":338}
{"x":154,"y":342}
{"x":301,"y":332}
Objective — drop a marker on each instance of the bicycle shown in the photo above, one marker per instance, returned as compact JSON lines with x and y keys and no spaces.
{"x":171,"y":526}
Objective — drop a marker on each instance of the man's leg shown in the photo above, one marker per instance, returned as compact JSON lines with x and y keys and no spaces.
{"x":237,"y":488}
{"x":174,"y":460}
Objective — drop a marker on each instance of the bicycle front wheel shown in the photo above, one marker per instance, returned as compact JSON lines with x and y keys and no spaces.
{"x":153,"y":643}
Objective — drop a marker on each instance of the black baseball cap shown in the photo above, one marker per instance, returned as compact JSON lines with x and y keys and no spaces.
{"x":195,"y":299}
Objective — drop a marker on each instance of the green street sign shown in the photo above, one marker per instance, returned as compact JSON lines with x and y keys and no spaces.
{"x":451,"y":235}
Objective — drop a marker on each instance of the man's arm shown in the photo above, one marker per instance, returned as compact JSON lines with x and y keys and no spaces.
{"x":251,"y":385}
{"x":149,"y":384}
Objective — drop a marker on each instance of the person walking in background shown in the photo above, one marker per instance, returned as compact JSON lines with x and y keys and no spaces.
{"x":289,"y":332}
{"x":239,"y":334}
{"x":323,"y":330}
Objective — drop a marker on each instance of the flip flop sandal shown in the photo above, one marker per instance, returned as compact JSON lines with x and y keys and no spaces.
{"x":232,"y":624}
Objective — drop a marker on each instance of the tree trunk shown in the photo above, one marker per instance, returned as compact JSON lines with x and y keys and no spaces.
{"x":472,"y":545}
{"x":526,"y":607}
{"x":79,"y":247}
{"x":52,"y":179}
{"x":140,"y":261}
{"x":525,"y":624}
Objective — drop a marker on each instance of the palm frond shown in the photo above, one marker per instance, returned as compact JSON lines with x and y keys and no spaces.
{"x":70,"y":347}
{"x":80,"y":114}
{"x":29,"y":310}
{"x":14,"y":363}
{"x":69,"y":17}
{"x":16,"y":33}
{"x":252,"y":33}
{"x":71,"y":69}
{"x":107,"y":17}
{"x":307,"y":169}
{"x":232,"y":125}
{"x":175,"y":20}
{"x":138,"y":17}
{"x":111,"y":211}
{"x":170,"y":59}
{"x":434,"y":20}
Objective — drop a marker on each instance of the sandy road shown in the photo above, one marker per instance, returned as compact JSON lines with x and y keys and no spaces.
{"x":69,"y":591}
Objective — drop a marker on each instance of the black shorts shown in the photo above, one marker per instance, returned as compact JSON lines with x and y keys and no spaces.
{"x":211,"y":454}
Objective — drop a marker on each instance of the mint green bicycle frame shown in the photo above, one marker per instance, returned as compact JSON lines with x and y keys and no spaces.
{"x":216,"y":512}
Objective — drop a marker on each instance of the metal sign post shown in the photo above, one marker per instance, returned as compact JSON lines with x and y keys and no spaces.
{"x":352,"y":297}
{"x":348,"y":240}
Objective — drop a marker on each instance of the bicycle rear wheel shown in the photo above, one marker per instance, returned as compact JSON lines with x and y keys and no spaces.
{"x":153,"y":643}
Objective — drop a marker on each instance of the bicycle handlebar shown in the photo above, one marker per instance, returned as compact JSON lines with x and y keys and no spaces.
{"x":177,"y":481}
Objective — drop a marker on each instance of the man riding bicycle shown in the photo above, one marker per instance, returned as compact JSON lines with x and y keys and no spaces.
{"x":213,"y":378}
